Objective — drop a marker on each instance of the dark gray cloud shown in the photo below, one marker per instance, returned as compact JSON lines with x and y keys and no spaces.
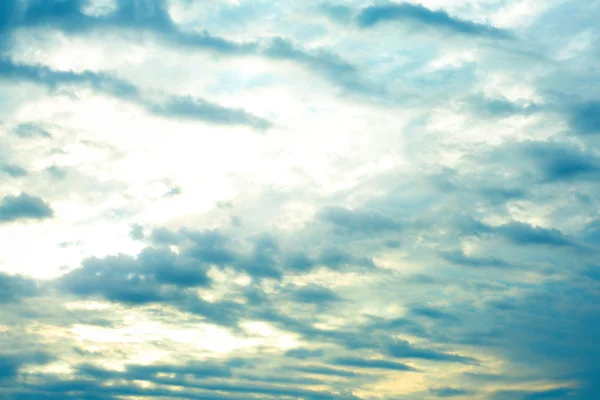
{"x":24,"y":207}
{"x":450,"y":392}
{"x":14,"y":287}
{"x":298,"y":261}
{"x":585,"y":118}
{"x":155,"y":275}
{"x":460,"y":258}
{"x":320,"y":370}
{"x":432,"y":313}
{"x":313,"y":294}
{"x":358,"y":221}
{"x":10,"y":364}
{"x":403,"y":349}
{"x":304,"y":354}
{"x":414,"y":13}
{"x":562,"y":162}
{"x":323,"y":62}
{"x":151,"y":16}
{"x":525,"y":234}
{"x":171,"y":107}
{"x":200,"y":109}
{"x":560,"y":393}
{"x":371,"y":364}
{"x":542,"y":323}
{"x":500,"y":108}
{"x":51,"y":78}
{"x":206,"y":385}
{"x":334,"y":258}
{"x":591,"y":232}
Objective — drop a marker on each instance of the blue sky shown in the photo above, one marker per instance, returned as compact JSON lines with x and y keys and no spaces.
{"x":250,"y":199}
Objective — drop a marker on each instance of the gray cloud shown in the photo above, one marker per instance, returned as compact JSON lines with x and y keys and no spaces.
{"x":13,"y":171}
{"x":585,"y":118}
{"x":152,"y":17}
{"x":371,"y":364}
{"x":458,"y":257}
{"x":403,"y":349}
{"x":155,"y":275}
{"x":13,"y":288}
{"x":24,"y":207}
{"x":408,"y":12}
{"x":170,"y":107}
{"x":29,"y":130}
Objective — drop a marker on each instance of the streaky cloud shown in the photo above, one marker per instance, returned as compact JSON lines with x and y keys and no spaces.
{"x":371,"y":364}
{"x":320,"y":370}
{"x":450,"y":392}
{"x":151,"y":16}
{"x":403,"y":349}
{"x":408,"y":12}
{"x":187,"y":107}
{"x":177,"y":107}
{"x":524,"y":234}
{"x":460,"y":258}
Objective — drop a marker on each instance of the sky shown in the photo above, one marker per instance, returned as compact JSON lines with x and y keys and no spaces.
{"x":258,"y":199}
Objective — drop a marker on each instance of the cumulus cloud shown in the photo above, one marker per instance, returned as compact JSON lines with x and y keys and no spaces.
{"x":24,"y":207}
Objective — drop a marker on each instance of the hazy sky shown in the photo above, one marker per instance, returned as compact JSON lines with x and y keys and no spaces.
{"x":259,"y":199}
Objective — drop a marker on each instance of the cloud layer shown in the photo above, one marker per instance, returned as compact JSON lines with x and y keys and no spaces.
{"x":284,"y":200}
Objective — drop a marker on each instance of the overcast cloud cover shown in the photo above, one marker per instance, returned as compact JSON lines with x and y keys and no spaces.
{"x":258,"y":199}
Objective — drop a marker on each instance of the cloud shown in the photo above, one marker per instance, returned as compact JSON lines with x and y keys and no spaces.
{"x":337,"y":12}
{"x":13,"y":171}
{"x":450,"y":392}
{"x":452,"y":224}
{"x":371,"y":364}
{"x":458,"y":257}
{"x":560,"y":162}
{"x":155,"y":275}
{"x":14,"y":288}
{"x":29,"y":130}
{"x":170,"y":107}
{"x":432,"y":313}
{"x":358,"y":221}
{"x":525,"y":234}
{"x":51,"y":78}
{"x":585,"y":118}
{"x":313,"y":294}
{"x":200,"y":109}
{"x":320,"y":370}
{"x":203,"y":386}
{"x":151,"y":16}
{"x":560,"y":393}
{"x":11,"y":364}
{"x":403,"y":349}
{"x":304,"y":354}
{"x":24,"y":207}
{"x":407,"y":12}
{"x":324,"y":62}
{"x":334,"y":257}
